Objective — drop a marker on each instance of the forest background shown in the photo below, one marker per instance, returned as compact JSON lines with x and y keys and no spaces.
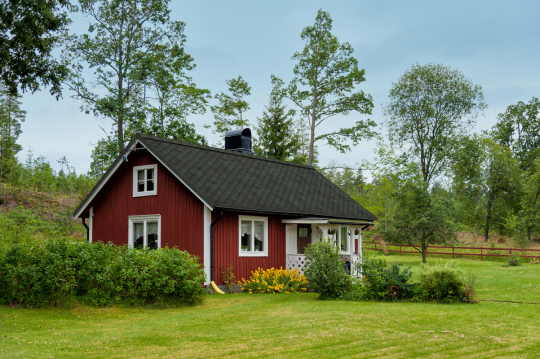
{"x":489,"y":180}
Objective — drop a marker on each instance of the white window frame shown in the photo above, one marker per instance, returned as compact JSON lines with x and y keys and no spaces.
{"x":144,"y":219}
{"x":136,"y":169}
{"x":242,"y":253}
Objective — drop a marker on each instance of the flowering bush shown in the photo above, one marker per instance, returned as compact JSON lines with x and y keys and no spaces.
{"x":274,"y":281}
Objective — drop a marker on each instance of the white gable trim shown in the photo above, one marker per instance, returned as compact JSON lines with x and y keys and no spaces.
{"x":184,"y":183}
{"x":88,"y":200}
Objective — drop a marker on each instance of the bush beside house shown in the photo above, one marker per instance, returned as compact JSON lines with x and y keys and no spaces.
{"x":47,"y":275}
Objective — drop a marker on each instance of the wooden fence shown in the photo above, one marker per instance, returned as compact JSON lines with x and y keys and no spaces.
{"x":482,"y":253}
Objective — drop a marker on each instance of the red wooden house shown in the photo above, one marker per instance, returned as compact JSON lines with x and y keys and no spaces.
{"x":225,"y":206}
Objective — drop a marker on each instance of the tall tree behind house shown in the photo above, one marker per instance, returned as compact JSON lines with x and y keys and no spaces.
{"x":11,"y":117}
{"x":123,"y":38}
{"x":326,"y":74}
{"x":276,"y":132}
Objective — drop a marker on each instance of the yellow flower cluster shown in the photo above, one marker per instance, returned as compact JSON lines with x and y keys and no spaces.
{"x":274,"y":281}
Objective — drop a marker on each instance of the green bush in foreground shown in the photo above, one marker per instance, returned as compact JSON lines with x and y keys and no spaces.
{"x":438,"y":283}
{"x":446,"y":283}
{"x":324,"y":270}
{"x":386,"y":283}
{"x":99,"y":274}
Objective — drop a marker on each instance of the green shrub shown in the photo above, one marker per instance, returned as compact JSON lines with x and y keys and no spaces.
{"x":514,"y":260}
{"x":443,"y":283}
{"x":325,"y":271}
{"x":40,"y":275}
{"x":386,"y":283}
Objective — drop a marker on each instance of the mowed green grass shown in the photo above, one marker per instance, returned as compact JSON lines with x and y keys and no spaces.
{"x":287,"y":326}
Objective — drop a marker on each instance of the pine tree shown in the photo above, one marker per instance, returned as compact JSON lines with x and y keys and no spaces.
{"x":276,"y":133}
{"x":11,"y":117}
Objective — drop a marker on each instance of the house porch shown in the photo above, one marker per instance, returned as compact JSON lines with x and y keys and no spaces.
{"x":304,"y":231}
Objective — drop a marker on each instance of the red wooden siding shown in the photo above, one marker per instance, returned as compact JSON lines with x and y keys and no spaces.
{"x":226,"y":246}
{"x":182,"y":214}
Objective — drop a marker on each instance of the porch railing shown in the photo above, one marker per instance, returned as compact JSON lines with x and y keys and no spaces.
{"x":298,"y":261}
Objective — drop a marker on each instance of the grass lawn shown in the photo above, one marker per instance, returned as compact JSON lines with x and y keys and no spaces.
{"x":285,"y":326}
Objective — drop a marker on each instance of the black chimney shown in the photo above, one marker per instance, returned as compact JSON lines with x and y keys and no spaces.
{"x":239,"y":141}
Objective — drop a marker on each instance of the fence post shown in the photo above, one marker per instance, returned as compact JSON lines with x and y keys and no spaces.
{"x":481,"y":253}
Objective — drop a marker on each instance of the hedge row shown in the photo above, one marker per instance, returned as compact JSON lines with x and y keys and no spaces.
{"x":100,"y":274}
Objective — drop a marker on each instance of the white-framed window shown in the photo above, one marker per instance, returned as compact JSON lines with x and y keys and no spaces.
{"x":145,"y":231}
{"x":145,"y":180}
{"x":342,"y":238}
{"x":253,"y":236}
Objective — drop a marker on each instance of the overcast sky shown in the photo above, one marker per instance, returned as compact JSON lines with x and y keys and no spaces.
{"x":494,"y":43}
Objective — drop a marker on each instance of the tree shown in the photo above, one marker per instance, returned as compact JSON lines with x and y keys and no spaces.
{"x":276,"y":135}
{"x":529,"y":215}
{"x":421,"y":218}
{"x":519,"y":129}
{"x":174,"y":95}
{"x":486,"y":171}
{"x":325,"y":77}
{"x":11,"y":117}
{"x":429,"y":106}
{"x":229,"y":113}
{"x":29,"y":31}
{"x":123,"y":37}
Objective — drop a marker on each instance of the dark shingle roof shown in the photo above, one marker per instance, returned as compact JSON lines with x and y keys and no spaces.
{"x":240,"y":181}
{"x":231,"y":180}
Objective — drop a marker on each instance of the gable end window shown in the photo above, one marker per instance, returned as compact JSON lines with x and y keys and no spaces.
{"x":253,"y":236}
{"x":145,"y":180}
{"x":145,"y":231}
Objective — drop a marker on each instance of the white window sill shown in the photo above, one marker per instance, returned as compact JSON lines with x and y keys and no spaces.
{"x":253,"y":254}
{"x":144,"y":194}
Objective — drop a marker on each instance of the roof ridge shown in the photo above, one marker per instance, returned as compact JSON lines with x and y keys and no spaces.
{"x":228,"y":152}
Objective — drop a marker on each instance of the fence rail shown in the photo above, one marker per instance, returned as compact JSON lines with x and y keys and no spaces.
{"x":454,"y":253}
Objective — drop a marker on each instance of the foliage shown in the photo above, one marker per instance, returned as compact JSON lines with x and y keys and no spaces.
{"x":127,"y":42}
{"x":514,"y":260}
{"x":421,"y":218}
{"x":429,"y":106}
{"x":276,"y":136}
{"x":444,"y":282}
{"x":519,"y":129}
{"x":386,"y":283}
{"x":227,"y":274}
{"x":11,"y":117}
{"x":229,"y":113}
{"x":274,"y":281}
{"x":49,"y":274}
{"x":325,"y":271}
{"x":325,"y":77}
{"x":29,"y":32}
{"x":486,"y":172}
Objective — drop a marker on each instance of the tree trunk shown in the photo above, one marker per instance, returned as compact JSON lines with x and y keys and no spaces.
{"x":424,"y":255}
{"x":488,"y":217}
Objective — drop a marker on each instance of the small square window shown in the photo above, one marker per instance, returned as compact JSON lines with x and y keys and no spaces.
{"x":144,"y":180}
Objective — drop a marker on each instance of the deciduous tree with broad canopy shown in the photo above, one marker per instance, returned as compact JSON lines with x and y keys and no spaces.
{"x":430,"y":105}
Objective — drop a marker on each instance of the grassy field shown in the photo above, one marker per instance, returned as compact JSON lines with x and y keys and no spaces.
{"x":285,"y":326}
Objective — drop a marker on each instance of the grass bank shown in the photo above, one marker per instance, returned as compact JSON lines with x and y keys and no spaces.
{"x":285,"y":326}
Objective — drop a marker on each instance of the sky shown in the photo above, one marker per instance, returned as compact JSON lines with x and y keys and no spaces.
{"x":494,"y":43}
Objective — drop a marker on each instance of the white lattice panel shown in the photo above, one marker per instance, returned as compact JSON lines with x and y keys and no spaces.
{"x":296,"y":261}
